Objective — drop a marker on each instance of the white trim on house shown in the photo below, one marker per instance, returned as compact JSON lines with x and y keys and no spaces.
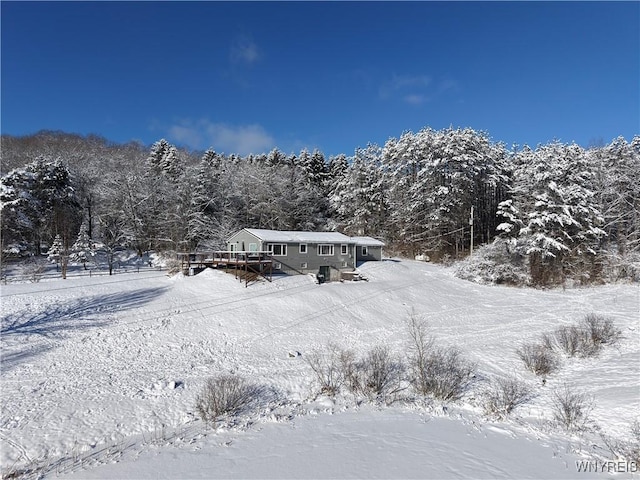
{"x":277,"y":249}
{"x":326,"y":250}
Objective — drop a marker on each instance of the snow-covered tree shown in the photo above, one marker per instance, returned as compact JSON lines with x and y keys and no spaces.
{"x":360,"y":197}
{"x":435,"y":179}
{"x":553,"y":211}
{"x":206,"y":199}
{"x":82,"y":250}
{"x":165,"y":160}
{"x":56,"y":251}
{"x":617,"y":170}
{"x":39,"y":201}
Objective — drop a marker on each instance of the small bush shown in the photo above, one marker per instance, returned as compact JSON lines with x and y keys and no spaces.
{"x":33,"y":269}
{"x":548,"y":341}
{"x":600,"y":330}
{"x":538,"y":358}
{"x":571,"y":408}
{"x":380,"y":371}
{"x":632,"y":450}
{"x":377,"y":374}
{"x":572,"y":340}
{"x":445,"y":374}
{"x":226,"y":394}
{"x":625,"y":449}
{"x":332,"y":369}
{"x":504,"y":395}
{"x":584,"y":339}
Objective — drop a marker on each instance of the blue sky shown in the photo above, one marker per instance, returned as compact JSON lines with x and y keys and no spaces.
{"x":245,"y":77}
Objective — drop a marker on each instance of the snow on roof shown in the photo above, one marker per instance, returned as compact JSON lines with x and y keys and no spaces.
{"x":367,"y":242}
{"x":298,"y":237}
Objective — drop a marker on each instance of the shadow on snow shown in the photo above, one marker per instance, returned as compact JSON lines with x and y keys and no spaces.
{"x":57,"y":319}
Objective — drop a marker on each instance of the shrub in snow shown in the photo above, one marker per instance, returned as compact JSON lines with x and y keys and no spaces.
{"x":628,"y":450}
{"x":496,"y":263}
{"x":331,"y":368}
{"x":600,"y":330}
{"x":377,"y":375}
{"x":380,"y":372}
{"x":225,"y":394}
{"x":632,"y":450}
{"x":572,"y":340}
{"x":585,"y":339}
{"x":538,"y":358}
{"x":33,"y":269}
{"x":504,"y":395}
{"x":571,"y":408}
{"x":169,"y":260}
{"x":445,"y":374}
{"x":440,"y":372}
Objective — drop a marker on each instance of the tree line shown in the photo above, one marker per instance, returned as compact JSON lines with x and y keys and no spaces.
{"x":432,"y":192}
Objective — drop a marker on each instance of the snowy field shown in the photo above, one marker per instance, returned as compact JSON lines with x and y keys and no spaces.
{"x":100,"y":374}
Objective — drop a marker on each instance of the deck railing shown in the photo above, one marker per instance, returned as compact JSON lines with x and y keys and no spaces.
{"x":221,"y":256}
{"x":253,"y":264}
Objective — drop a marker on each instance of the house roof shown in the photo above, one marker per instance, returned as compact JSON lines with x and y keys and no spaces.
{"x":288,"y":236}
{"x":298,"y":237}
{"x":367,"y":242}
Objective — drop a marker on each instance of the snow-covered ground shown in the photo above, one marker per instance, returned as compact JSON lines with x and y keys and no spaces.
{"x":99,"y":377}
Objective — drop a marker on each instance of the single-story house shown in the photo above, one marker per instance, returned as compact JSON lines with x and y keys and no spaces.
{"x":324,"y":253}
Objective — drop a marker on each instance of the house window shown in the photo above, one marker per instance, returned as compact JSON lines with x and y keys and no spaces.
{"x":344,"y":264}
{"x":325,"y":250}
{"x":364,"y":251}
{"x":303,"y":248}
{"x":253,"y":247}
{"x":277,"y":249}
{"x":344,"y":249}
{"x":303,"y":265}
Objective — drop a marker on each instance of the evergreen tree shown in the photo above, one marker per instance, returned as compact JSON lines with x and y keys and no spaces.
{"x":56,"y":251}
{"x":360,"y":198}
{"x":39,"y":201}
{"x":82,"y":250}
{"x":553,"y":211}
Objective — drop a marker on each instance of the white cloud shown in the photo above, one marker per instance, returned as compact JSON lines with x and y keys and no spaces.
{"x":405,"y":86}
{"x":415,"y":89}
{"x":244,"y":50}
{"x":186,"y":135}
{"x":222,"y":137}
{"x":399,"y":82}
{"x":415,"y":99}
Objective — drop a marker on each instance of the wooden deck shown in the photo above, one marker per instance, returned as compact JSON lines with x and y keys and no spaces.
{"x":247,"y":266}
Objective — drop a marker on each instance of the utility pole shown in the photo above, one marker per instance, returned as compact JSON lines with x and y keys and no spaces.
{"x":471,"y":223}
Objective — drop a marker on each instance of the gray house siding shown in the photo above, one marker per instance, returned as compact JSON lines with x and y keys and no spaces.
{"x":367,"y":253}
{"x":243,"y":241}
